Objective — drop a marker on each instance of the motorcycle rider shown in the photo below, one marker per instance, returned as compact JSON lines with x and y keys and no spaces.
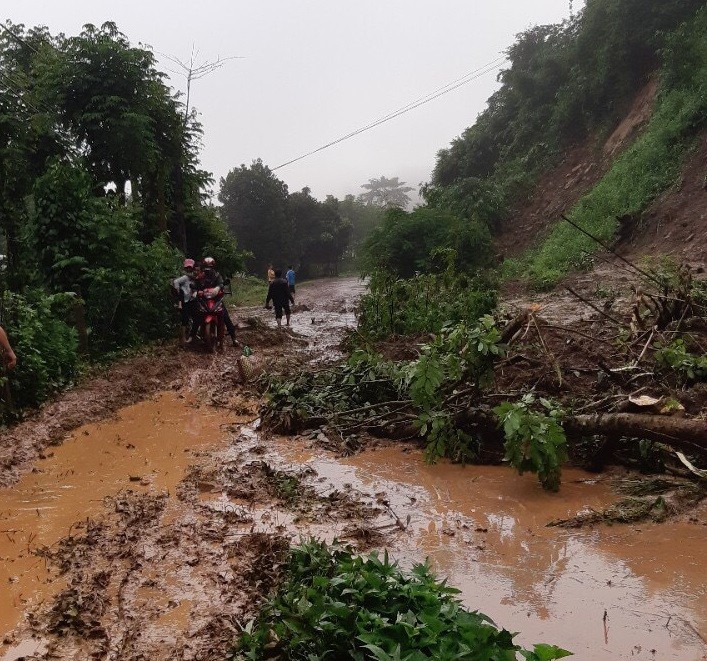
{"x":209,"y":277}
{"x":183,"y":288}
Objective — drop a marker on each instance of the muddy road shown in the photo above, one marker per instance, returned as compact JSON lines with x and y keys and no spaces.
{"x":144,"y":515}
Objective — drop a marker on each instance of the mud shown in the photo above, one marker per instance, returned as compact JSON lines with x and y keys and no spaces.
{"x":158,"y":532}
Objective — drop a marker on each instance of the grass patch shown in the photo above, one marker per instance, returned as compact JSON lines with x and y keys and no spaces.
{"x":248,"y":290}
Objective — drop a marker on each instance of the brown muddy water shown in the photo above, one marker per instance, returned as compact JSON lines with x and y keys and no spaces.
{"x":146,"y":448}
{"x":621,"y":592}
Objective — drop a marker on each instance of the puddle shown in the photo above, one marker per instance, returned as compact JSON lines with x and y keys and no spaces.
{"x":325,"y":308}
{"x":484,"y":529}
{"x":146,"y":449}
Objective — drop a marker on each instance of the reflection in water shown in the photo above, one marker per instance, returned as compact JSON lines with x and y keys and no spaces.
{"x":484,"y":528}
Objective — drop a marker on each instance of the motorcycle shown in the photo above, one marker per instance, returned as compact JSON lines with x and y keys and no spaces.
{"x":211,"y":310}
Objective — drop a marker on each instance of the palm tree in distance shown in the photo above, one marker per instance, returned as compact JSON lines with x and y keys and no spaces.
{"x":386,"y":193}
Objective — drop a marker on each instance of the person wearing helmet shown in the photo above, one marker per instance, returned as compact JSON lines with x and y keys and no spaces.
{"x":210,"y":277}
{"x":183,"y":288}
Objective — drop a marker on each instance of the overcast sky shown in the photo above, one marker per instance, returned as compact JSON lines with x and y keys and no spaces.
{"x":315,"y":70}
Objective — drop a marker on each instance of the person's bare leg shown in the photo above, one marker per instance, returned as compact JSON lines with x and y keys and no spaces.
{"x":279,"y":322}
{"x":288,"y":318}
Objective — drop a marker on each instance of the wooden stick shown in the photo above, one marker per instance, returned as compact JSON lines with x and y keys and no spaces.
{"x":594,"y":307}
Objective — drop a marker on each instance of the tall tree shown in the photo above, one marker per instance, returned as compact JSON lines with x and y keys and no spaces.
{"x":386,"y":193}
{"x":255,"y":209}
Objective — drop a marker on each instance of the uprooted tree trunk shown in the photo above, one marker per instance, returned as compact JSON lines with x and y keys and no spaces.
{"x":683,"y":433}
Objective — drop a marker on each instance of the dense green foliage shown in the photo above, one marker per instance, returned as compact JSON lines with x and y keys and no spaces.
{"x":336,"y":605}
{"x":408,"y":243}
{"x":422,"y":304}
{"x":100,"y":196}
{"x":46,"y":345}
{"x":283,"y":228}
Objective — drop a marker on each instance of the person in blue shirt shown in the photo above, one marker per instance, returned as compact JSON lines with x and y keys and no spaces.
{"x":290,"y":275}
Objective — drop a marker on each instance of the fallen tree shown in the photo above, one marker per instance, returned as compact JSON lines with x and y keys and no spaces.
{"x":688,"y":434}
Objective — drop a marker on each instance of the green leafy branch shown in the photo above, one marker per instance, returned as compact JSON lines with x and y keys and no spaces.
{"x":337,"y":605}
{"x":534,"y":441}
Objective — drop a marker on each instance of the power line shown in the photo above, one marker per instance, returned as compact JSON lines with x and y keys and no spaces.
{"x":441,"y":91}
{"x":19,"y":94}
{"x":19,"y":40}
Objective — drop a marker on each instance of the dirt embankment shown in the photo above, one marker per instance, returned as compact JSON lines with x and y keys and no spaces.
{"x":562,"y":186}
{"x":676,"y":223}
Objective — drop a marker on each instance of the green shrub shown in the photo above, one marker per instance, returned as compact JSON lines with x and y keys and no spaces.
{"x":423,"y":303}
{"x":336,"y":605}
{"x":46,"y":347}
{"x":534,"y":441}
{"x":405,"y":243}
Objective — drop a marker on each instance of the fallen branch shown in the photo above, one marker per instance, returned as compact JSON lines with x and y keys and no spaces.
{"x":684,"y":433}
{"x":594,"y":307}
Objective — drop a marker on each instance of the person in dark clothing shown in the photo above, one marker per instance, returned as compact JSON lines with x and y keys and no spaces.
{"x":210,"y":277}
{"x":281,"y":296}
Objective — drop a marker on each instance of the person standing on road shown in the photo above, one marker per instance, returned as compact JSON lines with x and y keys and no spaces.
{"x":9,"y":357}
{"x":271,"y":274}
{"x":290,"y":275}
{"x":184,"y":290}
{"x":279,"y":294}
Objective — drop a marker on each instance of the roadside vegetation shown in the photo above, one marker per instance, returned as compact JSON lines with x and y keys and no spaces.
{"x":101,"y":195}
{"x":337,"y":604}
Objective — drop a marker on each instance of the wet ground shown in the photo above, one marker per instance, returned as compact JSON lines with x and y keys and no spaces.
{"x":154,"y":534}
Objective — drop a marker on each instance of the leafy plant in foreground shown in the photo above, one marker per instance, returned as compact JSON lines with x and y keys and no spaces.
{"x":676,"y":356}
{"x":335,"y":605}
{"x":534,"y":441}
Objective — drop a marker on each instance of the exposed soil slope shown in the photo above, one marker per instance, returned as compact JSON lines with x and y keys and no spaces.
{"x":561,"y":187}
{"x":676,"y":223}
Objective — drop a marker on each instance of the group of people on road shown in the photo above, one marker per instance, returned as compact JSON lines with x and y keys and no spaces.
{"x":196,"y":278}
{"x":200,"y":276}
{"x":281,"y":291}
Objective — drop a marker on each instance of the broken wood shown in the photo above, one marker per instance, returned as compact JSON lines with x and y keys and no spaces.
{"x":683,"y":433}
